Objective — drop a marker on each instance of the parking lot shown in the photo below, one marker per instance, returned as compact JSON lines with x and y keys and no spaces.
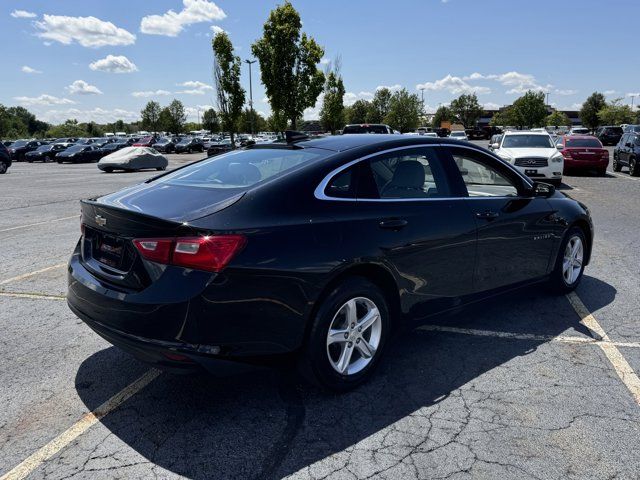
{"x":527,"y":385}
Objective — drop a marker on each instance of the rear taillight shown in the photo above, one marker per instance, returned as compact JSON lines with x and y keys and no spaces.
{"x":210,"y":253}
{"x":566,"y":153}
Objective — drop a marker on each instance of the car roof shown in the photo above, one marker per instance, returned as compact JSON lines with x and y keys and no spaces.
{"x":341,"y":143}
{"x":524,"y":132}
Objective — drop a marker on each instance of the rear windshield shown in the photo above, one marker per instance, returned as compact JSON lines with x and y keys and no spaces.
{"x":527,"y":141}
{"x":20,"y":143}
{"x":76,"y":148}
{"x":242,"y":168}
{"x":583,"y":142}
{"x":616,"y":130}
{"x":365,"y":129}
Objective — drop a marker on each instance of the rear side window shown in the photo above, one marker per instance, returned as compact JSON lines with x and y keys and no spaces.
{"x":365,"y":129}
{"x":242,"y":168}
{"x":415,"y":173}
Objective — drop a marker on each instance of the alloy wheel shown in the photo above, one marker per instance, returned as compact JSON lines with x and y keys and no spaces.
{"x":572,"y":261}
{"x":354,"y":336}
{"x":3,"y":167}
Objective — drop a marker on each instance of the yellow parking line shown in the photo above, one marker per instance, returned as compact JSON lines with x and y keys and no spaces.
{"x":36,"y":296}
{"x":87,"y":421}
{"x":39,"y":223}
{"x":620,"y":364}
{"x":31,"y":274}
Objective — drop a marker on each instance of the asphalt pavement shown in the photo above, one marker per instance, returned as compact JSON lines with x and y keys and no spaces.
{"x":527,"y":385}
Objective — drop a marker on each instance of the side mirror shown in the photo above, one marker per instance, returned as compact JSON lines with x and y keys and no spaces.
{"x":495,"y":146}
{"x":543,"y":189}
{"x":559,"y":146}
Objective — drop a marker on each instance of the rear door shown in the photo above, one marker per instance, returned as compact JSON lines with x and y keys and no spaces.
{"x":623,"y":155}
{"x":516,"y":232}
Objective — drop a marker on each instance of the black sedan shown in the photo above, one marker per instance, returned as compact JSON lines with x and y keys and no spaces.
{"x":79,"y":154}
{"x":5,"y":159}
{"x":165,"y":145}
{"x":189,"y":145}
{"x":216,"y":148}
{"x":114,"y":146}
{"x":609,"y":135}
{"x":315,"y":251}
{"x":45,"y":153}
{"x":19,"y":149}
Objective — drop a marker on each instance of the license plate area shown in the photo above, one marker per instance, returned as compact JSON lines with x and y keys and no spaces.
{"x":530,"y":171}
{"x":109,"y":250}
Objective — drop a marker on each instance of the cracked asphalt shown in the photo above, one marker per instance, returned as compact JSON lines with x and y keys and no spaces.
{"x":444,"y":403}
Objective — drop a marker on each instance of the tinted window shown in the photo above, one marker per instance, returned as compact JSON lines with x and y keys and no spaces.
{"x":583,"y":142}
{"x":613,"y":130}
{"x":481,"y":179}
{"x":243,"y":168}
{"x":527,"y":141}
{"x":76,"y":148}
{"x":341,"y":186}
{"x":412,"y":173}
{"x":19,"y":143}
{"x":44,"y":148}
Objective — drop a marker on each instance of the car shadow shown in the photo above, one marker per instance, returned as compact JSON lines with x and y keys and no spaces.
{"x":266,"y":424}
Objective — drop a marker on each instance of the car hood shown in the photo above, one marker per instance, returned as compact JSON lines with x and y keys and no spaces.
{"x":527,"y":152}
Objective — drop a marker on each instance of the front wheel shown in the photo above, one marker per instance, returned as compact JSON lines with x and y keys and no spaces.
{"x":348,"y":335}
{"x":634,"y":169}
{"x":3,"y":168}
{"x":616,"y":164}
{"x":569,"y":265}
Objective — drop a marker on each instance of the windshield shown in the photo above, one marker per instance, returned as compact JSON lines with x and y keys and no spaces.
{"x":365,"y":129}
{"x":614,"y":130}
{"x":162,"y":141}
{"x":527,"y":141}
{"x":19,"y":143}
{"x":458,"y":134}
{"x":241,"y":169}
{"x":583,"y":142}
{"x":185,"y":142}
{"x":44,"y":148}
{"x":75,"y":149}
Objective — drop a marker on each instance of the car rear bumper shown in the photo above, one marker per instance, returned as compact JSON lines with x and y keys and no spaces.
{"x":574,"y":164}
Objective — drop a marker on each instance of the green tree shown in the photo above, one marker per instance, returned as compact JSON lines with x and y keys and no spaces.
{"x":210,"y":121}
{"x":357,"y":113}
{"x":332,"y":113}
{"x":259,"y":122}
{"x":70,"y":128}
{"x":467,"y":109}
{"x":165,"y":122}
{"x":557,"y":119}
{"x":277,"y":121}
{"x":150,"y":115}
{"x":443,"y":114}
{"x":226,"y":74}
{"x":590,"y":108}
{"x":288,"y":63}
{"x":615,"y":113}
{"x":380,"y":106}
{"x":529,"y":110}
{"x":173,"y":117}
{"x":404,"y":111}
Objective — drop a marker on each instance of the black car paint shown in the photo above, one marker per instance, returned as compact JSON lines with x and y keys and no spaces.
{"x":5,"y":158}
{"x":19,"y":151}
{"x":192,"y":145}
{"x":88,"y":153}
{"x":609,"y":135}
{"x":44,"y":153}
{"x":628,"y":148}
{"x":263,"y":302}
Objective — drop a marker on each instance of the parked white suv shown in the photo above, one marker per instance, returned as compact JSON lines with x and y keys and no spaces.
{"x":533,"y":153}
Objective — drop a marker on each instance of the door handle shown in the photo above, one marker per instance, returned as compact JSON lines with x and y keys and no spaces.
{"x":487,"y":215}
{"x":393,"y":224}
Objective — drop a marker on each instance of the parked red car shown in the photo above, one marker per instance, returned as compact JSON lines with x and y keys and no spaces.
{"x":146,"y":141}
{"x":583,"y":153}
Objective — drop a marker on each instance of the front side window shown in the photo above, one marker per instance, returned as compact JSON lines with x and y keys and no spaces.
{"x":408,"y":174}
{"x":483,"y":180}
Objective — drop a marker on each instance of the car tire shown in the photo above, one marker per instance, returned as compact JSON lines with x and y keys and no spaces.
{"x":616,"y":165}
{"x":569,"y":266}
{"x":108,"y":170}
{"x":160,"y":169}
{"x":634,"y":169}
{"x":189,"y":151}
{"x":60,"y":162}
{"x":602,"y":172}
{"x":3,"y":168}
{"x":327,"y":359}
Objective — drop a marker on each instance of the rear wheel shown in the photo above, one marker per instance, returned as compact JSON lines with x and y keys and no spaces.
{"x":602,"y":172}
{"x":348,"y":335}
{"x":108,"y":170}
{"x":161,"y":168}
{"x":634,"y":171}
{"x":570,"y":262}
{"x":3,"y":168}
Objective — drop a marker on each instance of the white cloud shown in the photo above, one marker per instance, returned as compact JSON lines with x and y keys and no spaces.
{"x":633,"y":94}
{"x":324,"y":61}
{"x":98,"y":115}
{"x":216,"y":29}
{"x":491,"y":106}
{"x":194,"y":88}
{"x":454,"y":85}
{"x":610,"y":92}
{"x":392,"y":88}
{"x":80,"y":87}
{"x":28,"y":69}
{"x":566,"y":92}
{"x":22,"y":14}
{"x":350,"y":97}
{"x":43,"y":99}
{"x":192,"y":112}
{"x":520,"y":82}
{"x":150,"y":93}
{"x":114,"y":64}
{"x":87,"y":31}
{"x":172,"y":23}
{"x":313,"y":113}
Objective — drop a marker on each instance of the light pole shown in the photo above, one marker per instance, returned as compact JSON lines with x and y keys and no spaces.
{"x":632,"y":99}
{"x":423,"y":112}
{"x":251,"y":62}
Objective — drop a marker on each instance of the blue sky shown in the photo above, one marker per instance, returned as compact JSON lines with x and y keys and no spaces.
{"x":60,"y":63}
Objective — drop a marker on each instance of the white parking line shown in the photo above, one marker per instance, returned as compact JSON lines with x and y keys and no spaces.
{"x":620,"y":364}
{"x":524,"y":336}
{"x":621,"y":175}
{"x":32,"y":462}
{"x":31,"y":274}
{"x":37,"y":296}
{"x":40,"y":223}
